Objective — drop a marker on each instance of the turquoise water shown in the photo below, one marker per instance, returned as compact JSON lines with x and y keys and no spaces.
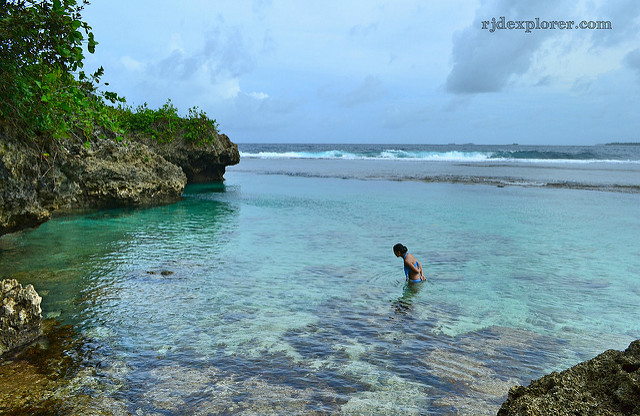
{"x":278,"y":292}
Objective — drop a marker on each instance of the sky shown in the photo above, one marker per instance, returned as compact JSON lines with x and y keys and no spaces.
{"x":369,"y":71}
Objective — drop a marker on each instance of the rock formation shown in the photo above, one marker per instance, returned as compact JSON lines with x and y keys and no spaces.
{"x":608,"y":384}
{"x":20,"y":315}
{"x":35,"y":181}
{"x":201,"y":163}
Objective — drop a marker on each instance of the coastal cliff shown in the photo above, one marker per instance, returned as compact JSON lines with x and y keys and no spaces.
{"x":200,"y":163}
{"x":66,"y":144}
{"x":37,"y":180}
{"x":608,"y":384}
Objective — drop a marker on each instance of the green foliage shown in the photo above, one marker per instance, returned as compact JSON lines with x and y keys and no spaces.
{"x":164,"y":124}
{"x":199,"y":127}
{"x":43,"y":91}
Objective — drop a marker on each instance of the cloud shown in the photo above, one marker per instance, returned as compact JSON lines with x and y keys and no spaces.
{"x":178,"y":65}
{"x":224,"y":55}
{"x":131,"y":64}
{"x":227,"y":53}
{"x":632,"y":61}
{"x":258,"y":95}
{"x":371,"y":89}
{"x":215,"y":65}
{"x":226,"y":89}
{"x":624,"y":16}
{"x":484,"y":61}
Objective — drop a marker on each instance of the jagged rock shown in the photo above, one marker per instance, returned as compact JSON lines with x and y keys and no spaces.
{"x":110,"y":174}
{"x":37,"y":180}
{"x":64,"y":175}
{"x":201,"y":163}
{"x":20,"y":314}
{"x":19,"y":206}
{"x":608,"y":384}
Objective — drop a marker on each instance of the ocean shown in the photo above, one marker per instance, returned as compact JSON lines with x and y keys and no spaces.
{"x":278,"y":292}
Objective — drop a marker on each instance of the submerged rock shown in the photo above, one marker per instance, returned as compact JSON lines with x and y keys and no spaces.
{"x":20,"y":314}
{"x":60,"y":375}
{"x":608,"y":384}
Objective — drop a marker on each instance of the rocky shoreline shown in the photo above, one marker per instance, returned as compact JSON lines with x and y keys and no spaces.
{"x":608,"y":384}
{"x":38,"y":180}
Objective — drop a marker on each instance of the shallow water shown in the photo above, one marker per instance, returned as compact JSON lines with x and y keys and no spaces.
{"x":279,"y":293}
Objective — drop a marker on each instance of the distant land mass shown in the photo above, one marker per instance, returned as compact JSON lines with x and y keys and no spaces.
{"x":623,"y":144}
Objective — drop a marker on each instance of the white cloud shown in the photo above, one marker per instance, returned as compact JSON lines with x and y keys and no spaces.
{"x":227,"y":89}
{"x":258,"y":95}
{"x":131,"y":64}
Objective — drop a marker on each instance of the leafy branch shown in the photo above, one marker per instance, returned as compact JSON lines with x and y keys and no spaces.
{"x":43,"y":90}
{"x":46,"y":94}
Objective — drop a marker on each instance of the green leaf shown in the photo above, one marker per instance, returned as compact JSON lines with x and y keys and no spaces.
{"x":50,"y":77}
{"x":91,"y":47}
{"x":76,"y":36}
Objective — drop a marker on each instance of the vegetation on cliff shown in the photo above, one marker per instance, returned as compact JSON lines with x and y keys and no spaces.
{"x":164,"y":124}
{"x":46,"y":95}
{"x":66,"y":144}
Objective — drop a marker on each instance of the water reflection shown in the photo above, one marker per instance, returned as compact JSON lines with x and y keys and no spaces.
{"x":119,"y":276}
{"x":404,"y":304}
{"x":78,"y":263}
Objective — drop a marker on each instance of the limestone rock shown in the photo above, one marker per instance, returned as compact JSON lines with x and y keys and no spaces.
{"x":20,"y":314}
{"x":201,"y":163}
{"x":36,"y":180}
{"x":111,"y":174}
{"x":19,"y":206}
{"x":608,"y":384}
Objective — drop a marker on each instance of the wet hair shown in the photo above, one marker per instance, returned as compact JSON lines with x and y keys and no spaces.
{"x":399,"y":248}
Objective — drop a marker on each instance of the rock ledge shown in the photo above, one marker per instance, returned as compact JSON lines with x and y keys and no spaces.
{"x":59,"y":176}
{"x":608,"y":384}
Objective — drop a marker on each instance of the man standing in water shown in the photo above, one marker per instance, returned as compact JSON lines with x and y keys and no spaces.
{"x":412,"y":267}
